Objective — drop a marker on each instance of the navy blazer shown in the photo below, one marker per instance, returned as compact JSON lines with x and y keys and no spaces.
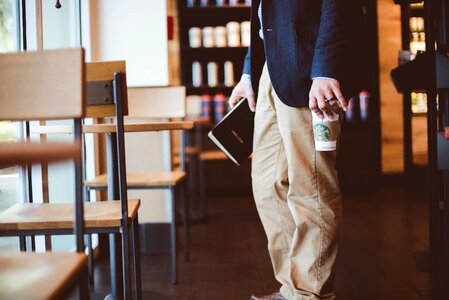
{"x":304,"y":39}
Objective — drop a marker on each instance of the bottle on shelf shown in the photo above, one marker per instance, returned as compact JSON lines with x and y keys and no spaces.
{"x":229,"y":74}
{"x":233,"y":31}
{"x":195,"y":37}
{"x":220,"y":36}
{"x":418,"y":37}
{"x":208,"y":37}
{"x":205,"y":2}
{"x":212,"y":74}
{"x":245,"y":29}
{"x":219,"y":107}
{"x":197,"y":74}
{"x":364,"y":105}
{"x":191,"y":3}
{"x":206,"y":107}
{"x":349,"y":113}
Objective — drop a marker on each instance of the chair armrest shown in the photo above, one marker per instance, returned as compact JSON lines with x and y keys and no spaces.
{"x":139,"y":127}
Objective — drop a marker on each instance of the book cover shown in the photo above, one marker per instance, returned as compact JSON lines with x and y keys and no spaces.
{"x":234,"y":133}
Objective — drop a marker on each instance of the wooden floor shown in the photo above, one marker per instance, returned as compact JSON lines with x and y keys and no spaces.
{"x":382,"y":232}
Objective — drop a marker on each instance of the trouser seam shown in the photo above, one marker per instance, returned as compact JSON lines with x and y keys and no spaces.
{"x":273,"y":193}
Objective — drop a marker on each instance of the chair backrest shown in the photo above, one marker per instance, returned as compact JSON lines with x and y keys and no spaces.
{"x":42,"y":85}
{"x":157,"y":102}
{"x":108,"y":80}
{"x":101,"y":74}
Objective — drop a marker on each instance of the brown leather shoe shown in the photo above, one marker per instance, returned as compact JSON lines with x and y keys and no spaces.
{"x":274,"y":296}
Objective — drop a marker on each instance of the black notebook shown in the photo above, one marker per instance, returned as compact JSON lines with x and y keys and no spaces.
{"x":234,"y":133}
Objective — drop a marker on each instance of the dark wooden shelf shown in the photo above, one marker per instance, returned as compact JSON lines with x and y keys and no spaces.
{"x":220,"y":54}
{"x":217,"y":50}
{"x":199,"y":16}
{"x":213,"y":7}
{"x":417,"y":12}
{"x":226,"y":90}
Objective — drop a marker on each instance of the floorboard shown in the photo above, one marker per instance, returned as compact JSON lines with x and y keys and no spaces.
{"x":382,"y":232}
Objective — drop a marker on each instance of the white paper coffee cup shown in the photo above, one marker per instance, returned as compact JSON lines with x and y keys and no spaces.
{"x":325,"y":132}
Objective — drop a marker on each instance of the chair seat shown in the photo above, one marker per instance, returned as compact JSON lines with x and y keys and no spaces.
{"x":145,"y":179}
{"x":213,"y":155}
{"x":39,"y":275}
{"x":47,"y":216}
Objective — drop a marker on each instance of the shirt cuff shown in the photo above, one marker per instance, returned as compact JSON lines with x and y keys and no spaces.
{"x":325,"y":78}
{"x":246,"y":78}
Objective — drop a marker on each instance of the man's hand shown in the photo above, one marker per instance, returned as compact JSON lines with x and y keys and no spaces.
{"x":240,"y":91}
{"x":325,"y":97}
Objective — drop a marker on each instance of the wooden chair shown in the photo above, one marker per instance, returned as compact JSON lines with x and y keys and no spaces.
{"x":106,"y":97}
{"x":161,"y":104}
{"x":37,"y":86}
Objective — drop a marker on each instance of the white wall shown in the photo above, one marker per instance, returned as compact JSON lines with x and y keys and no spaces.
{"x":135,"y":31}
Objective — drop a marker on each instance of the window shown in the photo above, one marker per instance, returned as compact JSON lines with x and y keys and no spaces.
{"x":11,"y":179}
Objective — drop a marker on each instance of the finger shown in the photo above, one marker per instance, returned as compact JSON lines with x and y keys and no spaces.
{"x":234,"y":99}
{"x":313,"y":105}
{"x":252,"y":102}
{"x":335,"y":105}
{"x":340,"y":98}
{"x":324,"y":107}
{"x":328,"y":94}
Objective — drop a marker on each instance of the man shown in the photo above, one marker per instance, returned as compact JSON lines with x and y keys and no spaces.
{"x":303,"y":58}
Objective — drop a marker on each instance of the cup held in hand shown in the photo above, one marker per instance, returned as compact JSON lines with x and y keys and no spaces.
{"x":325,"y":132}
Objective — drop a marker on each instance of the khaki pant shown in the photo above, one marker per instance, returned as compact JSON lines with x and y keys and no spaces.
{"x":297,"y":196}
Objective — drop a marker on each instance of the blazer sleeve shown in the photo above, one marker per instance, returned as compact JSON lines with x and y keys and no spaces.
{"x":332,"y":40}
{"x":247,"y":62}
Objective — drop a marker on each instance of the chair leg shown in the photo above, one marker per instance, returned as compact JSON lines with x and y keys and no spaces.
{"x":202,"y":188}
{"x":136,"y":251}
{"x":126,"y":263}
{"x":84,"y":285}
{"x":90,"y":256}
{"x":22,"y":243}
{"x":195,"y":209}
{"x":90,"y":259}
{"x":185,"y":215}
{"x":174,"y":259}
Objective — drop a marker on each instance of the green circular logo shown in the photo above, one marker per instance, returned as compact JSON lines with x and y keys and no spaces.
{"x":321,"y":132}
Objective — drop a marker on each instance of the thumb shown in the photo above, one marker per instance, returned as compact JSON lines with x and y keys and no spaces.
{"x":252,"y":102}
